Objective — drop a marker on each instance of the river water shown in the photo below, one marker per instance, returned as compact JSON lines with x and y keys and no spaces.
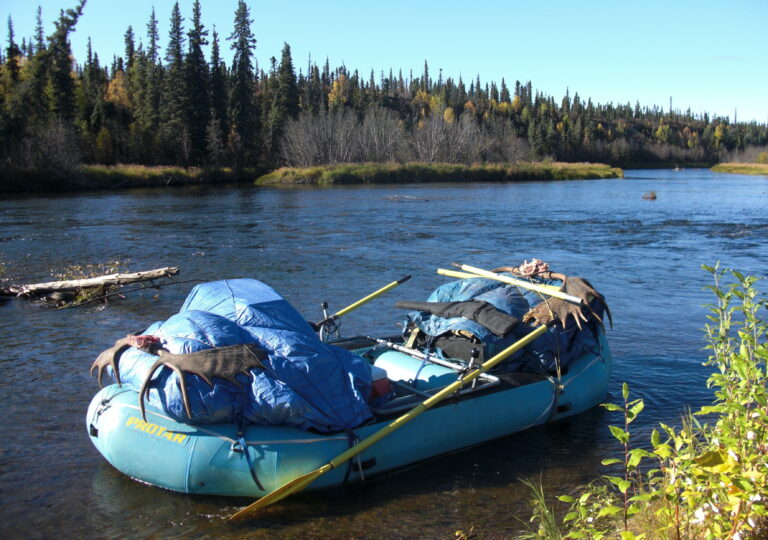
{"x":339,"y":244}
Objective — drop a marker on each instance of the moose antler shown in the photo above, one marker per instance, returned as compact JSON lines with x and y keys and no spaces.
{"x":222,"y":362}
{"x":555,"y":308}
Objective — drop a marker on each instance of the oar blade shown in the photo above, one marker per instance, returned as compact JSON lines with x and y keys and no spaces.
{"x":289,"y":488}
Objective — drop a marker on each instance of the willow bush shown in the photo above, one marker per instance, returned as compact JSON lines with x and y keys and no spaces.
{"x":706,"y":479}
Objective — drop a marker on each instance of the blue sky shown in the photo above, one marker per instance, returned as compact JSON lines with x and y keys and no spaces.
{"x":707,"y":55}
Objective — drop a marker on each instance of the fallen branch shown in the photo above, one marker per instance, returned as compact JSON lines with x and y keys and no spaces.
{"x":41,"y":289}
{"x":105,"y":297}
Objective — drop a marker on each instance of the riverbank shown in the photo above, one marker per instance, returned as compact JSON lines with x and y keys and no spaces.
{"x":118,"y":177}
{"x":133,"y":176}
{"x":742,"y":168}
{"x":393,"y":173}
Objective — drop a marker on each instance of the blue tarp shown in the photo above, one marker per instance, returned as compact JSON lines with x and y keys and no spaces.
{"x":306,"y":383}
{"x":540,"y":355}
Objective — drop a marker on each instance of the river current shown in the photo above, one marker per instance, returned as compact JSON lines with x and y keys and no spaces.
{"x":339,"y":244}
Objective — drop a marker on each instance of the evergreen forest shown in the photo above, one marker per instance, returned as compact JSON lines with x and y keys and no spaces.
{"x":181,"y":104}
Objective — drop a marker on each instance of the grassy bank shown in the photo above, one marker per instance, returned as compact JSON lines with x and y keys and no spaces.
{"x":742,"y":168}
{"x":16,"y":180}
{"x":117,"y":177}
{"x":389,"y":173}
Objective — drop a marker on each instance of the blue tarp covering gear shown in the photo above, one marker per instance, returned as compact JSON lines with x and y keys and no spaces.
{"x":539,"y":355}
{"x":306,"y":383}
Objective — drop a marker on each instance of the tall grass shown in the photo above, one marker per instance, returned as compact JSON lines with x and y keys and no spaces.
{"x":388,"y":173}
{"x":17,"y":180}
{"x":742,"y":168}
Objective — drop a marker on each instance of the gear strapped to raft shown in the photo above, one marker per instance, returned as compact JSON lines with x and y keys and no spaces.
{"x":477,"y":312}
{"x":237,"y":347}
{"x":482,"y":313}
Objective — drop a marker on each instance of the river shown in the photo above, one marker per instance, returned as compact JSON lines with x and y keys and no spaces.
{"x":339,"y":244}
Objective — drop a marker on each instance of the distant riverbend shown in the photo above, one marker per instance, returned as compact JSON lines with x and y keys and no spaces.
{"x":394,"y":173}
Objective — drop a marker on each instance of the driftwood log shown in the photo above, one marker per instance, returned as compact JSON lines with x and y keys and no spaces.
{"x":72,"y":285}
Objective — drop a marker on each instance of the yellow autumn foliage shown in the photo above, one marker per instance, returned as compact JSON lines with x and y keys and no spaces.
{"x":117,"y":91}
{"x":338,"y":94}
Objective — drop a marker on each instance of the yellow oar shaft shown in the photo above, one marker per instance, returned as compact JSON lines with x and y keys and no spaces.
{"x":371,"y":296}
{"x":300,"y":483}
{"x":467,"y":275}
{"x":543,"y":289}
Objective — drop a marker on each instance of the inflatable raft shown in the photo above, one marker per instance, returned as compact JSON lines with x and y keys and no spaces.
{"x":217,"y":459}
{"x":236,"y":394}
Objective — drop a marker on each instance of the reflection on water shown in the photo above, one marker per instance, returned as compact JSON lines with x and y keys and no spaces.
{"x":338,"y":244}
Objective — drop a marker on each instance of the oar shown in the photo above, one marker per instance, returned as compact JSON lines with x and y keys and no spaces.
{"x":467,"y":275}
{"x":362,"y":301}
{"x":301,"y":482}
{"x":544,"y":289}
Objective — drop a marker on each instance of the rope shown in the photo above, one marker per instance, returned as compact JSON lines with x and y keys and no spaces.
{"x":352,"y":440}
{"x":241,"y":445}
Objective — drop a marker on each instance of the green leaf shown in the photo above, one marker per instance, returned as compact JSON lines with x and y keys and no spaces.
{"x":655,"y":438}
{"x":608,"y":511}
{"x":570,"y":516}
{"x":612,"y":406}
{"x":637,"y":408}
{"x":634,"y":459}
{"x":566,"y":498}
{"x":742,"y":483}
{"x":711,"y":409}
{"x":610,"y":461}
{"x":621,"y":435}
{"x":620,"y":483}
{"x":627,"y":535}
{"x":625,"y":390}
{"x":644,"y":497}
{"x":710,"y":459}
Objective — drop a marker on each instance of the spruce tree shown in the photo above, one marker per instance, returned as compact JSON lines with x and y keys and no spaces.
{"x":196,"y":75}
{"x":153,"y":37}
{"x":12,"y":55}
{"x":504,"y":96}
{"x":130,"y":48}
{"x":148,"y":111}
{"x":62,"y":84}
{"x":218,"y":84}
{"x":282,"y":93}
{"x":287,"y":91}
{"x":173,"y":103}
{"x":243,"y":118}
{"x":39,"y":31}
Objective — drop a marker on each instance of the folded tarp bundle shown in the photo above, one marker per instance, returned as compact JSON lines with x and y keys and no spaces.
{"x":444,"y":327}
{"x":304,"y":382}
{"x":482,"y":313}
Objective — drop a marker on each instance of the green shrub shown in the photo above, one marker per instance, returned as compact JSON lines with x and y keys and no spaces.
{"x":702,"y":480}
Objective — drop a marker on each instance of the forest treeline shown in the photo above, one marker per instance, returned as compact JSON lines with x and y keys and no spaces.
{"x":181,"y":106}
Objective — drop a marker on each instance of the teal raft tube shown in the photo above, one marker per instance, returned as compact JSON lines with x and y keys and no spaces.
{"x":210,"y":459}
